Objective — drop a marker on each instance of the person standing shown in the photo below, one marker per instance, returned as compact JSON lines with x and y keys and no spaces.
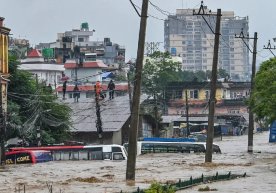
{"x":98,"y":90}
{"x":111,"y":87}
{"x":76,"y":93}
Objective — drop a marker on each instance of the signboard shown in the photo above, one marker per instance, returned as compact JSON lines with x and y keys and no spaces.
{"x":48,"y":53}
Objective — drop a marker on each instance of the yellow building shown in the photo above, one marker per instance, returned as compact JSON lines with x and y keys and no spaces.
{"x":4,"y":68}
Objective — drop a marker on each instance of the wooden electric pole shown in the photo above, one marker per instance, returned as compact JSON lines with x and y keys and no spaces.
{"x":134,"y":120}
{"x":251,"y":115}
{"x":212,"y":101}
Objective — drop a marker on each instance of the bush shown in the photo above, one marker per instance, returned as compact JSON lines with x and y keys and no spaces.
{"x":156,"y":187}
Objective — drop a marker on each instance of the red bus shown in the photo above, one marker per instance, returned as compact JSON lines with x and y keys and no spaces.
{"x":89,"y":152}
{"x":28,"y":156}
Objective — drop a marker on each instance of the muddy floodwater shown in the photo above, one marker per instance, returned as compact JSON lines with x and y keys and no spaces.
{"x":109,"y":176}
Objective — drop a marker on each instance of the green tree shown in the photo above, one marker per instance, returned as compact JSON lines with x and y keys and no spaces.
{"x":222,"y":73}
{"x":263,"y":101}
{"x":159,"y":70}
{"x":31,"y":104}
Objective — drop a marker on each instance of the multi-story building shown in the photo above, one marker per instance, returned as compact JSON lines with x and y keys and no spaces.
{"x":188,"y":36}
{"x":111,"y":54}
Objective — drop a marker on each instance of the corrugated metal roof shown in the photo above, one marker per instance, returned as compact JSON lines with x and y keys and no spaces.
{"x":114,"y":114}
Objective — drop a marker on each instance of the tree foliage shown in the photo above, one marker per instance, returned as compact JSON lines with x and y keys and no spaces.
{"x":32,"y":104}
{"x":263,"y":100}
{"x":159,"y":70}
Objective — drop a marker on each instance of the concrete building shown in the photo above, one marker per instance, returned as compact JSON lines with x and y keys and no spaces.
{"x":112,"y":54}
{"x":4,"y":69}
{"x":189,"y":37}
{"x":48,"y":72}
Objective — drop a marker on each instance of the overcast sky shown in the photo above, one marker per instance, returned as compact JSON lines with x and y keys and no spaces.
{"x":41,"y":20}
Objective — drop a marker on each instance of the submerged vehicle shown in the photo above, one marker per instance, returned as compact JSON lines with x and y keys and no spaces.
{"x":87,"y":152}
{"x":28,"y":156}
{"x":144,"y":147}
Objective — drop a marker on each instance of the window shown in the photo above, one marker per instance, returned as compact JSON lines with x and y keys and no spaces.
{"x":118,"y":156}
{"x":207,"y":94}
{"x":116,"y":149}
{"x":80,"y":39}
{"x":194,"y":94}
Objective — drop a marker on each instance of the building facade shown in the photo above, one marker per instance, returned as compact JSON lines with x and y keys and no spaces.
{"x":230,"y":97}
{"x":48,"y":72}
{"x":189,"y":37}
{"x":112,"y":54}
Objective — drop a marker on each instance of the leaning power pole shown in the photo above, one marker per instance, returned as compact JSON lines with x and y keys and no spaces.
{"x":212,"y":100}
{"x":251,"y":115}
{"x":134,"y":120}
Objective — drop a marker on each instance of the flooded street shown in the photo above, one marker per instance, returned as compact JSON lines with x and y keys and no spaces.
{"x":109,"y":176}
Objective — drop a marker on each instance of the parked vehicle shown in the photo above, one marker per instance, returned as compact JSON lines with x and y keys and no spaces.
{"x":88,"y":152}
{"x":144,"y":147}
{"x":28,"y":156}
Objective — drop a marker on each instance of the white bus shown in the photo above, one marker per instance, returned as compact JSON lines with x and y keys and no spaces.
{"x":144,"y":147}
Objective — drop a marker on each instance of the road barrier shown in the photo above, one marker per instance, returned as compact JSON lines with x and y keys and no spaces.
{"x":196,"y":181}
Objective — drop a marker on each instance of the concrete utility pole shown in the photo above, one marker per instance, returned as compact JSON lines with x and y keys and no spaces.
{"x":251,"y":115}
{"x":134,"y":120}
{"x":212,"y":102}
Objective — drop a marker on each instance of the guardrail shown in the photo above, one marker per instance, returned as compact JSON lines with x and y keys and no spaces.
{"x":195,"y":181}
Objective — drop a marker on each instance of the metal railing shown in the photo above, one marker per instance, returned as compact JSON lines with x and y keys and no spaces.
{"x":195,"y":181}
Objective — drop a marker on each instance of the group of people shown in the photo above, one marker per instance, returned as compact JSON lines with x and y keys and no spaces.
{"x":110,"y":87}
{"x":98,"y":90}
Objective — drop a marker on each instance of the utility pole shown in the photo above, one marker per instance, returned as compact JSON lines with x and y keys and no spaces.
{"x":187,"y":113}
{"x":251,"y":115}
{"x":134,"y":120}
{"x":212,"y":101}
{"x":98,"y":113}
{"x":129,"y":90}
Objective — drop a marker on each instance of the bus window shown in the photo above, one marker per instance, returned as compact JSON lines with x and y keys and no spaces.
{"x":118,"y":156}
{"x":83,"y":155}
{"x":116,"y":149}
{"x":96,"y":155}
{"x":107,"y":156}
{"x":65,"y":155}
{"x":74,"y":155}
{"x":42,"y":156}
